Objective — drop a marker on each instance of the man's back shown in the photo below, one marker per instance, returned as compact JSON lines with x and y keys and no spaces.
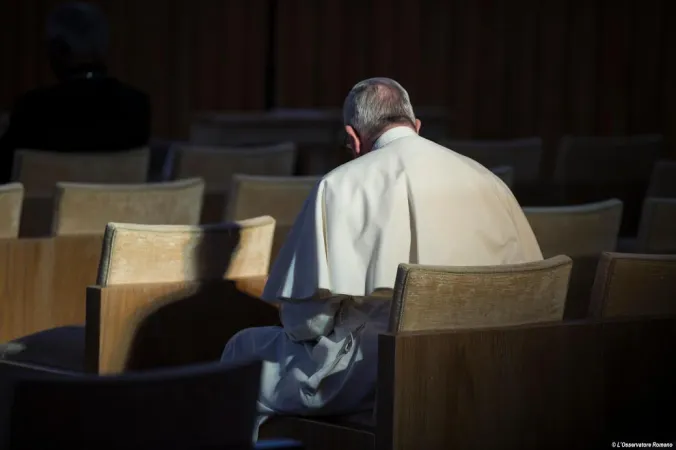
{"x":78,"y":115}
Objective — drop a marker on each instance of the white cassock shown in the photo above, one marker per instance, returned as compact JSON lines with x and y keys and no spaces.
{"x":408,"y":201}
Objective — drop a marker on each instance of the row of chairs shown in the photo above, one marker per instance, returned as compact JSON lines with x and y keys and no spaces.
{"x":586,"y":161}
{"x":148,"y":311}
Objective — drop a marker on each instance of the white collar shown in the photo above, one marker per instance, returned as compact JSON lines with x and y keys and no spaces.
{"x":392,"y":135}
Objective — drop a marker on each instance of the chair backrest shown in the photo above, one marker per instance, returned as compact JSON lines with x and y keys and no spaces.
{"x":88,"y":208}
{"x":579,"y":230}
{"x":302,"y":126}
{"x":523,"y":155}
{"x":657,"y":229}
{"x":582,"y":232}
{"x":135,"y":253}
{"x":39,"y":171}
{"x":634,"y":284}
{"x":505,"y":173}
{"x":279,"y":197}
{"x":436,"y":298}
{"x":208,"y":406}
{"x":11,"y":202}
{"x":663,"y":180}
{"x":596,"y":159}
{"x":218,"y":165}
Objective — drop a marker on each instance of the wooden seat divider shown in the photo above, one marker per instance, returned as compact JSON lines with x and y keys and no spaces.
{"x":557,"y":386}
{"x":193,"y":319}
{"x":44,"y":281}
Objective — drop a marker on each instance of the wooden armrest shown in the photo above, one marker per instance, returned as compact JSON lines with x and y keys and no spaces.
{"x":147,"y":326}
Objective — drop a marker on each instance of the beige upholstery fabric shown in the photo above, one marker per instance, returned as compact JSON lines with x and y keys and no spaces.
{"x":435,"y":298}
{"x":279,"y":197}
{"x":657,"y":230}
{"x":506,"y":174}
{"x":523,"y":155}
{"x":663,"y":180}
{"x":11,"y":201}
{"x":582,"y":232}
{"x":87,"y":208}
{"x":171,"y":253}
{"x":217,"y":165}
{"x":634,"y":284}
{"x":39,"y":171}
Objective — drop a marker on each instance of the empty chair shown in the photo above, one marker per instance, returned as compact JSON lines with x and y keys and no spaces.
{"x":657,"y":229}
{"x":135,"y":253}
{"x":663,"y":180}
{"x":11,"y":201}
{"x":523,"y":155}
{"x":218,"y":165}
{"x":87,"y":208}
{"x":506,"y":174}
{"x":279,"y":197}
{"x":582,"y":232}
{"x":39,"y":171}
{"x":436,"y":298}
{"x":206,"y":406}
{"x":634,"y":284}
{"x":590,"y":169}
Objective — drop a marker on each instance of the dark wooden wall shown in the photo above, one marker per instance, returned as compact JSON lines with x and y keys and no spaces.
{"x":505,"y":68}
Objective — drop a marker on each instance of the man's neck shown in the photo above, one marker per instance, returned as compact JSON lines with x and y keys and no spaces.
{"x":392,"y":134}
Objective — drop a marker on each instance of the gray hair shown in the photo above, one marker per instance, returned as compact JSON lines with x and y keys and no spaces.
{"x":376,"y":103}
{"x":82,"y":27}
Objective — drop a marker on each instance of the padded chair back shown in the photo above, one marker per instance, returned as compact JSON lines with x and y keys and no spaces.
{"x":218,"y":165}
{"x":39,"y":171}
{"x":523,"y":155}
{"x":280,"y":197}
{"x":663,"y":180}
{"x":657,"y":229}
{"x":437,"y":298}
{"x":134,"y":254}
{"x":582,"y":232}
{"x":88,"y":208}
{"x":208,"y":406}
{"x":11,"y":202}
{"x":634,"y":284}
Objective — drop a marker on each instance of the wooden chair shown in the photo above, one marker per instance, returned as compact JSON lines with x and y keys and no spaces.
{"x":523,"y":155}
{"x":279,"y":197}
{"x":657,"y":233}
{"x":44,"y":282}
{"x":218,"y":165}
{"x":433,"y":298}
{"x":591,"y":169}
{"x":188,"y":281}
{"x":634,"y":284}
{"x":208,"y":406}
{"x":582,"y":232}
{"x":505,"y":173}
{"x":663,"y":180}
{"x":87,"y":208}
{"x":39,"y":171}
{"x":11,"y":201}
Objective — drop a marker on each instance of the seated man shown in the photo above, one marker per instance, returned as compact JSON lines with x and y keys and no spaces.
{"x":403,"y":199}
{"x":87,"y":110}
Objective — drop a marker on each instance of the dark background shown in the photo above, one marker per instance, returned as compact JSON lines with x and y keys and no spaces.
{"x":503,"y":68}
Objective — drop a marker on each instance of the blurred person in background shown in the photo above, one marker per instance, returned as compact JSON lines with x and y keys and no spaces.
{"x":87,"y":110}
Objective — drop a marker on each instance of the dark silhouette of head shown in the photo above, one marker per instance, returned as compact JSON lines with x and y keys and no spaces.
{"x":77,"y":35}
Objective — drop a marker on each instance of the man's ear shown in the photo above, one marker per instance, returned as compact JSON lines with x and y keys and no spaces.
{"x":354,"y":139}
{"x":417,"y":125}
